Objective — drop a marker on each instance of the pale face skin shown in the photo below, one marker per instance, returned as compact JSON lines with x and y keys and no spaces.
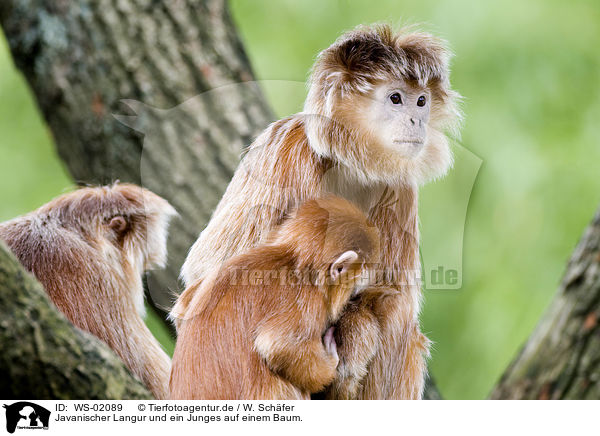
{"x":398,"y":116}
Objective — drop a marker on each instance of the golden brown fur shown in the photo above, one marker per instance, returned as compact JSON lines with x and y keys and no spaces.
{"x":254,"y":330}
{"x":334,"y":146}
{"x":89,"y":249}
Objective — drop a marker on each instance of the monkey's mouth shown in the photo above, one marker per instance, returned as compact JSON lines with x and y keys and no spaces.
{"x":409,"y":148}
{"x":414,"y":142}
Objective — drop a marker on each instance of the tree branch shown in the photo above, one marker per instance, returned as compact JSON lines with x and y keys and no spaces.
{"x":561,"y":359}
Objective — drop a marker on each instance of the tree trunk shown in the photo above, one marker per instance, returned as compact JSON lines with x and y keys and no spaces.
{"x":82,"y":57}
{"x":44,"y":356}
{"x":561,"y":359}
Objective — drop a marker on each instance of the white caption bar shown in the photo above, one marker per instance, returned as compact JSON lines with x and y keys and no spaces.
{"x":274,"y":417}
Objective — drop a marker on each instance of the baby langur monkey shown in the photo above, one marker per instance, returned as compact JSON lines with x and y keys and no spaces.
{"x":261,"y":327}
{"x":89,"y":249}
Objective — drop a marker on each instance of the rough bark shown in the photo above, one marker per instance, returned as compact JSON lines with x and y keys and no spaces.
{"x":81,"y":58}
{"x":44,"y":356}
{"x":561,"y":359}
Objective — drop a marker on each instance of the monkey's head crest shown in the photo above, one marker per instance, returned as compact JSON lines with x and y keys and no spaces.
{"x":380,"y":104}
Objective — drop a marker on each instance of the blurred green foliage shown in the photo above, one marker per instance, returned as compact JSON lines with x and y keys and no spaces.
{"x":530,"y":74}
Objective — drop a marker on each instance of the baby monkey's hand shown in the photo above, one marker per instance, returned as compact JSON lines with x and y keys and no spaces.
{"x":330,"y":345}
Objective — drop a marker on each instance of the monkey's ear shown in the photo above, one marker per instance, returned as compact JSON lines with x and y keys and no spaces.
{"x":342,"y":264}
{"x":118,"y":224}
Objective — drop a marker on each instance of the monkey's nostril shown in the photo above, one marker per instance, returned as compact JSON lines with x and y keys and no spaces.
{"x":412,"y":121}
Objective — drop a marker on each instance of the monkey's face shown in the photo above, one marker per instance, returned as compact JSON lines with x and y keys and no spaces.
{"x":379,"y":105}
{"x":398,"y":115}
{"x":392,"y":136}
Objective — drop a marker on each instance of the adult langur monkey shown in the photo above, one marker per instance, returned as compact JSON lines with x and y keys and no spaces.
{"x":89,"y":249}
{"x":373,"y":129}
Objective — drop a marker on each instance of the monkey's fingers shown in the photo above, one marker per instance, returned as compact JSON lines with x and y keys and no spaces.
{"x":329,"y":342}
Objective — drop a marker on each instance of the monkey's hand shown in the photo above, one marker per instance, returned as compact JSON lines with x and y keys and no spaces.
{"x":299,"y":355}
{"x":357,"y":335}
{"x":330,"y":344}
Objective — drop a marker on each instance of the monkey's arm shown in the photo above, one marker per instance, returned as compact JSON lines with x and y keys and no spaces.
{"x":398,"y":368}
{"x":278,"y":171}
{"x":357,"y":336}
{"x":296,"y":352}
{"x":391,"y":363}
{"x":397,"y":372}
{"x":144,"y":354}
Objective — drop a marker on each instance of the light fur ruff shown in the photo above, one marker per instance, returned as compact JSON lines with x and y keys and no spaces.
{"x":329,"y":148}
{"x":260,"y":337}
{"x":93,"y":273}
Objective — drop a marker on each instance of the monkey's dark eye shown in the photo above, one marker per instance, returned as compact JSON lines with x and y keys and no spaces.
{"x":395,"y":98}
{"x":421,"y":101}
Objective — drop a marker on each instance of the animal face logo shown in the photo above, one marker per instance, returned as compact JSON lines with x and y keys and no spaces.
{"x":26,"y":415}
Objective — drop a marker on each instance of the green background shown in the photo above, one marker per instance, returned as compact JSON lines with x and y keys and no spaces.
{"x":530,"y":75}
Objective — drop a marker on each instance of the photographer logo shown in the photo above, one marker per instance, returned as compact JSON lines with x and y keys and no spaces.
{"x":26,"y":416}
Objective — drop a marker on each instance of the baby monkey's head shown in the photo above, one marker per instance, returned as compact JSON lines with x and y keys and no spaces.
{"x":332,"y":237}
